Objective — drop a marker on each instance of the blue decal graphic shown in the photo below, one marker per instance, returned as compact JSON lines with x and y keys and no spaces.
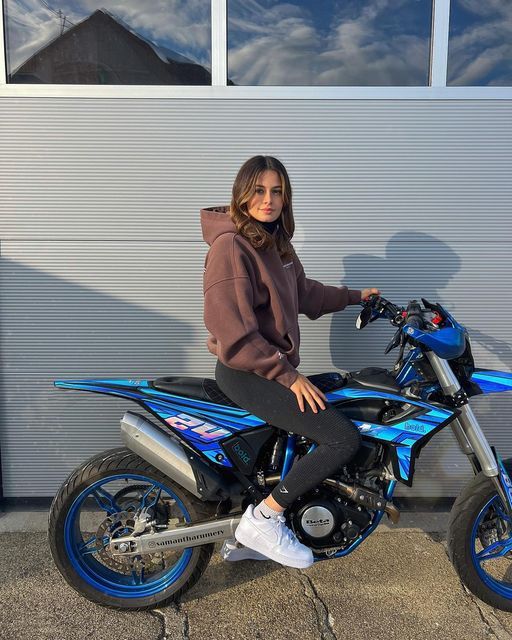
{"x":201,"y":423}
{"x":404,"y":435}
{"x":204,"y":425}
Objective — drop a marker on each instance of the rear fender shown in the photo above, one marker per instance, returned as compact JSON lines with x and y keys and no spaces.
{"x":113,"y":387}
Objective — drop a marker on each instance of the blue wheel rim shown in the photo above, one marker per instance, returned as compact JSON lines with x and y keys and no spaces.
{"x":496,"y":550}
{"x":98,"y":575}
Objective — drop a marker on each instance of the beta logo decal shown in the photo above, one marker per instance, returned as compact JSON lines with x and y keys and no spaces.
{"x":243,"y":455}
{"x":205,"y":430}
{"x":414,"y":426}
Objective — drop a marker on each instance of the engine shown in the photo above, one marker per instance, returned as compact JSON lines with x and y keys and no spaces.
{"x":323,"y":520}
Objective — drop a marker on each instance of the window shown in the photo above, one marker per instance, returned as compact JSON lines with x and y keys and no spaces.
{"x":480,"y":43}
{"x":350,"y":43}
{"x":116,"y":43}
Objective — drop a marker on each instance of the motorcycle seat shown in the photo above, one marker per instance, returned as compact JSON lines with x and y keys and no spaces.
{"x":191,"y":387}
{"x":208,"y":389}
{"x":373,"y":378}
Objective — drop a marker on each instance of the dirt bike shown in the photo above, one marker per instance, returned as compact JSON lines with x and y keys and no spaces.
{"x":135,"y":527}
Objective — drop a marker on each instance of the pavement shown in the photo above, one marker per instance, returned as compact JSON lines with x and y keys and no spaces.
{"x":399,"y":583}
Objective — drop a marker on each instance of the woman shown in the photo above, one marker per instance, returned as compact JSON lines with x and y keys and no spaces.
{"x":254,"y":289}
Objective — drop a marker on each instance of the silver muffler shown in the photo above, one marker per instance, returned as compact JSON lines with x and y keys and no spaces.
{"x":160,"y":450}
{"x":181,"y":537}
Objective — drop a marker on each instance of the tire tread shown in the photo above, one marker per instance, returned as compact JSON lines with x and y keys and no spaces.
{"x":116,"y":460}
{"x":462,"y":516}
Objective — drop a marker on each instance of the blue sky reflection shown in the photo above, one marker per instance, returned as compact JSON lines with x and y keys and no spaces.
{"x":351,"y":42}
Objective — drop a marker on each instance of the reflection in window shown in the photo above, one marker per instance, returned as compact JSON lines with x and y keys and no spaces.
{"x":307,"y":42}
{"x":124,"y":43}
{"x":480,"y":43}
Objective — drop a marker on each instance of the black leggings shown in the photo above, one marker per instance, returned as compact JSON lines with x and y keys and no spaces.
{"x":337,"y":437}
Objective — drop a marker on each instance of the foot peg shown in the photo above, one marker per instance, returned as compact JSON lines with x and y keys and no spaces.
{"x":232,"y":551}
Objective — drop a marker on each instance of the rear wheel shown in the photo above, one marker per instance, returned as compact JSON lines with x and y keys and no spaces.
{"x":96,"y":504}
{"x":480,"y":541}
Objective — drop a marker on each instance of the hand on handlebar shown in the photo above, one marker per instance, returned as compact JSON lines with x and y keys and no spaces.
{"x":365,"y":293}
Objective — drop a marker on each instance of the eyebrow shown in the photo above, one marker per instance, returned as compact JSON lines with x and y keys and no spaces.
{"x":277,"y":186}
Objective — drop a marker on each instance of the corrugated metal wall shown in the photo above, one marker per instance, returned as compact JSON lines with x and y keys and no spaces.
{"x":102,"y":254}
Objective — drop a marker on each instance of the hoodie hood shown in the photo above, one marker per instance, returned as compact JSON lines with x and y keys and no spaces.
{"x":215,"y":221}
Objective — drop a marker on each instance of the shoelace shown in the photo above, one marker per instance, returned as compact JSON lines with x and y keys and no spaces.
{"x":285,"y":531}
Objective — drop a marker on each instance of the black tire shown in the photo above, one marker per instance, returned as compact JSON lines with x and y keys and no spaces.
{"x":110,"y":463}
{"x":463,"y":515}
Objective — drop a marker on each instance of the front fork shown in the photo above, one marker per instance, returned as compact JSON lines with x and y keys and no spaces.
{"x":468,"y":433}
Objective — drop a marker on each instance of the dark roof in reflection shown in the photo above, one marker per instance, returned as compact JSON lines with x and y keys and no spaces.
{"x":103,"y":49}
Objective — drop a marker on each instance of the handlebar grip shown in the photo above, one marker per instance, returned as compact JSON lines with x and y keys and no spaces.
{"x":415,"y":321}
{"x":414,"y":317}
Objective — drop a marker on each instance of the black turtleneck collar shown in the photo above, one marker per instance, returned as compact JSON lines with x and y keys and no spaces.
{"x":270,"y":226}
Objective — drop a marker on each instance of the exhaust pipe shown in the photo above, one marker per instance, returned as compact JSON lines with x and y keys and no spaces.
{"x":162,"y":451}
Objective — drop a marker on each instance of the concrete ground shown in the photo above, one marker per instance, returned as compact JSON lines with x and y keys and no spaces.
{"x":398,"y":584}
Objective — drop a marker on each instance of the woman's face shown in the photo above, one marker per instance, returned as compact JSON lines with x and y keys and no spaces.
{"x":267,"y":202}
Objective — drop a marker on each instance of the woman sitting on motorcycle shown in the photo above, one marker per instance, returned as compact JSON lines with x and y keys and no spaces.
{"x":254,"y":289}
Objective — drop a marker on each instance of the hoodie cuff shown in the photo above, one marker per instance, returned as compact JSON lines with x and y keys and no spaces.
{"x":337,"y":298}
{"x":287,"y":378}
{"x":354,"y":296}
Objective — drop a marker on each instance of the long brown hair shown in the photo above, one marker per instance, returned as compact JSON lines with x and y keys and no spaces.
{"x":243,"y":190}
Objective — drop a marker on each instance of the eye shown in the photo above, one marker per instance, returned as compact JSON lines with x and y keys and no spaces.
{"x":259,"y":190}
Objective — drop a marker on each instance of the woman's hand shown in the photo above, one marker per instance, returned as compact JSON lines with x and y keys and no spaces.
{"x":368,"y":292}
{"x":304,"y":388}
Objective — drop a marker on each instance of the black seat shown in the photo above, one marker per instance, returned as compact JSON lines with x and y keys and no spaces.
{"x":207,"y":388}
{"x":374,"y":378}
{"x":190,"y":387}
{"x":328,"y":381}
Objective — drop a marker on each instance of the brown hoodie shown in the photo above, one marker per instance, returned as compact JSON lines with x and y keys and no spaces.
{"x":252,"y":300}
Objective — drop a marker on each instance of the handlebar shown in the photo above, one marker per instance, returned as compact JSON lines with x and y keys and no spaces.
{"x":384,"y":308}
{"x":398,"y":316}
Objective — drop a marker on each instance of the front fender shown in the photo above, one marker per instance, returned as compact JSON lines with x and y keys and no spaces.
{"x":492,"y":381}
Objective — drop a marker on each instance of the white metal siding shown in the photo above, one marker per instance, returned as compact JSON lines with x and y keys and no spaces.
{"x":102,"y":255}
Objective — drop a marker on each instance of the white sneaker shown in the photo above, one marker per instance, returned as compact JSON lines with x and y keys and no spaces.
{"x":273,"y":539}
{"x":232,"y":551}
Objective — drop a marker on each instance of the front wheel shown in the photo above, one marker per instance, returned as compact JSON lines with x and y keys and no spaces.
{"x":480,"y":541}
{"x":96,"y":504}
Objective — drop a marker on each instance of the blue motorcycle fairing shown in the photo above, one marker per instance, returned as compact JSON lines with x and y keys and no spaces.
{"x":204,"y":425}
{"x":448,"y":342}
{"x":406,"y":437}
{"x":201,"y":424}
{"x":492,"y":381}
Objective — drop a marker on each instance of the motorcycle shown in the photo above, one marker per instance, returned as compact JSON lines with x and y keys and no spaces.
{"x":134,"y":527}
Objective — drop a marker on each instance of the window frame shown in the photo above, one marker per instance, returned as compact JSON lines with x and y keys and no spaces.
{"x":219,"y":89}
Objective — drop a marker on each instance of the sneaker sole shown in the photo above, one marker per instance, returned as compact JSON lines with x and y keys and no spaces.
{"x":287,"y":562}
